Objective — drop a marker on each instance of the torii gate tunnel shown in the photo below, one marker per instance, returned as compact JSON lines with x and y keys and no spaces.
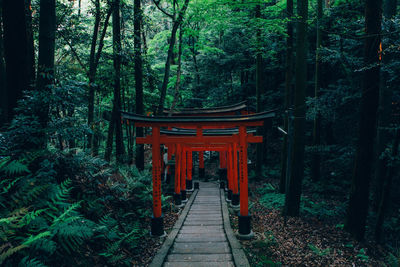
{"x":231,"y":138}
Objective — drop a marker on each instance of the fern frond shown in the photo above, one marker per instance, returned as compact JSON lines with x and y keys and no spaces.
{"x":9,"y":252}
{"x":26,"y":262}
{"x":13,"y":167}
{"x":33,"y":238}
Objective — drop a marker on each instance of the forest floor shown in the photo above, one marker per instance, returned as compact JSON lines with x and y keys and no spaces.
{"x":303,"y":241}
{"x":149,"y":245}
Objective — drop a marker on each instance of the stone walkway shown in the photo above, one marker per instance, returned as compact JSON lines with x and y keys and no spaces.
{"x":201,"y":241}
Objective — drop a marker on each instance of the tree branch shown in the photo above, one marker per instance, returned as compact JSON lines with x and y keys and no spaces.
{"x":74,"y":53}
{"x":157,"y":3}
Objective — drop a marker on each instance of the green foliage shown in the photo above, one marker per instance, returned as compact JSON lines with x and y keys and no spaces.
{"x":318,"y":251}
{"x":271,"y":199}
{"x":362,"y":254}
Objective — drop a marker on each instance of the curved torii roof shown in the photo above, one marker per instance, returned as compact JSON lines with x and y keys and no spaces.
{"x":232,"y":109}
{"x":255,"y":119}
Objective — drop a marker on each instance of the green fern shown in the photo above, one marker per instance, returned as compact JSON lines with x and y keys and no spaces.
{"x":13,"y":167}
{"x":26,"y":262}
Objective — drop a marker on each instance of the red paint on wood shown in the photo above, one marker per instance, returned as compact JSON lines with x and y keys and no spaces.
{"x":177,"y":169}
{"x":156,"y":172}
{"x":190,"y":165}
{"x":235,"y":170}
{"x":244,"y":201}
{"x":183,"y":169}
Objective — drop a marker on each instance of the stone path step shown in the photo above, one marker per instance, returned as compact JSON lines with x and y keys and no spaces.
{"x":202,"y":240}
{"x":202,"y":236}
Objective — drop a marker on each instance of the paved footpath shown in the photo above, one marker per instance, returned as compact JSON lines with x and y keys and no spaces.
{"x":201,"y":241}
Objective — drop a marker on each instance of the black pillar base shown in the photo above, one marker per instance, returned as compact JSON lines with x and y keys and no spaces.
{"x":177,"y":199}
{"x":235,"y":199}
{"x":183,"y":195}
{"x":189,"y":185}
{"x":168,"y":179}
{"x":244,"y":225}
{"x":196,"y":185}
{"x":223,"y":174}
{"x":157,"y":226}
{"x":221,"y":184}
{"x":229,"y":196}
{"x":202,"y":173}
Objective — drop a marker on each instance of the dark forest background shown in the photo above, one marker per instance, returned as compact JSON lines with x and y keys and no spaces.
{"x":70,"y":172}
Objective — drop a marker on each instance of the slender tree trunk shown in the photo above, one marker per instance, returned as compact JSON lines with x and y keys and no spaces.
{"x":3,"y":88}
{"x":110,"y":138}
{"x":389,"y":8}
{"x":45,"y":77}
{"x":138,"y":81}
{"x":259,"y":89}
{"x":119,"y":145}
{"x":150,"y":73}
{"x":384,"y":113}
{"x":194,"y":56}
{"x":176,"y":23}
{"x":359,"y":195}
{"x":79,"y":8}
{"x":30,"y":45}
{"x":15,"y":55}
{"x":92,"y":71}
{"x":178,"y":72}
{"x":288,"y":91}
{"x":316,"y":157}
{"x":94,"y":59}
{"x":293,"y":192}
{"x":384,"y":203}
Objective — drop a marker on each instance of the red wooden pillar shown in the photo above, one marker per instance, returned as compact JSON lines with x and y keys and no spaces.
{"x":189,"y":182}
{"x":157,"y":224}
{"x":229,"y":172}
{"x":201,"y":156}
{"x":235,"y":186}
{"x":222,"y":171}
{"x":177,"y":194}
{"x":183,"y":174}
{"x":244,"y":217}
{"x":169,"y":158}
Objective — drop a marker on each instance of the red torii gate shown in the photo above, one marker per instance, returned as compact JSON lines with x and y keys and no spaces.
{"x":241,"y":140}
{"x":240,"y":108}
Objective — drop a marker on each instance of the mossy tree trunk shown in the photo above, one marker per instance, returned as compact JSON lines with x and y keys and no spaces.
{"x":359,"y":194}
{"x":288,"y":91}
{"x":293,"y":192}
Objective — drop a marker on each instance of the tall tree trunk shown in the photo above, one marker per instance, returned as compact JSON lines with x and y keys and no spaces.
{"x":293,"y":192}
{"x":94,"y":59}
{"x":384,"y":112}
{"x":150,"y":73}
{"x":288,"y":91}
{"x":30,"y":45}
{"x":119,"y":145}
{"x":178,"y":72}
{"x":3,"y":88}
{"x":138,"y":81}
{"x":45,"y":77}
{"x":259,"y":88}
{"x":194,"y":56}
{"x":389,"y":8}
{"x":384,"y":203}
{"x":359,"y":195}
{"x":15,"y":55}
{"x":92,"y":71}
{"x":176,"y":23}
{"x":316,"y":157}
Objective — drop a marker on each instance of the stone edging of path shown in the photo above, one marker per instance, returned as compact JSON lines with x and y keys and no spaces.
{"x":239,"y":257}
{"x":159,"y":258}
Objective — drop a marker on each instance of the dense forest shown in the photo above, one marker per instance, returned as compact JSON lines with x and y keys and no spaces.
{"x":75,"y":189}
